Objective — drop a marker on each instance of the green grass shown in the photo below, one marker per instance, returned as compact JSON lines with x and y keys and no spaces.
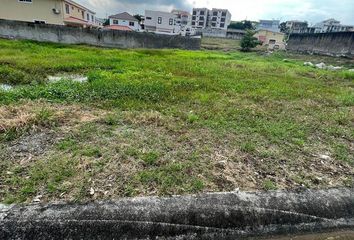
{"x":159,"y":122}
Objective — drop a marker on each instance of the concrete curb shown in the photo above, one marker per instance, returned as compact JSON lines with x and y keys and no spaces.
{"x":207,"y":216}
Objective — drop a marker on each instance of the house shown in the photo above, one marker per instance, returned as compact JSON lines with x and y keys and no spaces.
{"x":124,"y":21}
{"x":184,"y":21}
{"x":331,"y":25}
{"x":59,"y":12}
{"x":161,"y":22}
{"x":273,"y":40}
{"x":271,"y":25}
{"x":100,"y":22}
{"x":295,"y":26}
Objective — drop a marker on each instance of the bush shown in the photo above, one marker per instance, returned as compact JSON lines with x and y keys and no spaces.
{"x":248,"y":41}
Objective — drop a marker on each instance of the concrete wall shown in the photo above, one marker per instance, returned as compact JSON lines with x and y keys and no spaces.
{"x":336,"y":44}
{"x":212,"y":32}
{"x":96,"y":37}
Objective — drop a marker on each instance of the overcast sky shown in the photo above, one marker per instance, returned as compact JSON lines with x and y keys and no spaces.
{"x":311,"y":10}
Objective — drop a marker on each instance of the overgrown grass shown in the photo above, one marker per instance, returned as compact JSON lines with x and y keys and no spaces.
{"x":160,"y":122}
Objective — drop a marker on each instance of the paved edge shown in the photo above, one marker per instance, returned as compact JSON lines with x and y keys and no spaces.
{"x":205,"y":216}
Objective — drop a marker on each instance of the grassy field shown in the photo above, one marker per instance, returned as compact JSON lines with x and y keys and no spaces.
{"x":220,"y":44}
{"x":163,"y":122}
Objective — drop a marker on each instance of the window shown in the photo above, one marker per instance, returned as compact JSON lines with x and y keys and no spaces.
{"x":201,"y":23}
{"x":25,"y":1}
{"x":115,"y":22}
{"x":201,"y":18}
{"x":131,"y":24}
{"x":67,"y":9}
{"x":213,"y":24}
{"x":223,"y":20}
{"x":215,"y":13}
{"x":193,"y":18}
{"x":201,"y":12}
{"x":39,"y":21}
{"x":222,"y":25}
{"x":92,"y":18}
{"x":194,"y":13}
{"x":214,"y":19}
{"x":88,"y":17}
{"x":159,"y":20}
{"x":148,"y":18}
{"x":72,"y":7}
{"x":193,"y":23}
{"x":170,"y":21}
{"x":272,"y":41}
{"x":223,"y":14}
{"x":83,"y":14}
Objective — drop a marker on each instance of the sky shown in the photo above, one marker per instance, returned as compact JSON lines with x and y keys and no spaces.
{"x":312,"y":11}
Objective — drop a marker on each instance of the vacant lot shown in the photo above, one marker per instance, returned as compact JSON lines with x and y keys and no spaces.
{"x":162,"y":122}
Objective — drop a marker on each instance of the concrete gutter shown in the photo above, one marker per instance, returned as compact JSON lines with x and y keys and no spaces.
{"x":207,"y":216}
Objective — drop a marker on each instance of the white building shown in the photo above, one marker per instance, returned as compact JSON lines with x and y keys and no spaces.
{"x":125,"y":21}
{"x":331,"y":25}
{"x":200,"y":18}
{"x":161,"y":22}
{"x":219,"y":18}
{"x":215,"y":19}
{"x":184,"y":20}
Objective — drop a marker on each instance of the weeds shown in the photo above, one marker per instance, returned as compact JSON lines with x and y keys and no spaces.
{"x":161,"y":122}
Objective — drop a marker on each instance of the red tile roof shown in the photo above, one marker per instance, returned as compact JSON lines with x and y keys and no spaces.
{"x":117,"y":27}
{"x":75,"y":20}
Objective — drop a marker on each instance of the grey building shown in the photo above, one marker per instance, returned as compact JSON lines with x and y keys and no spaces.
{"x":271,"y":25}
{"x":295,"y":26}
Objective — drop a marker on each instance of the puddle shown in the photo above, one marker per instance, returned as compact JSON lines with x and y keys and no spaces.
{"x":75,"y":78}
{"x":6,"y":87}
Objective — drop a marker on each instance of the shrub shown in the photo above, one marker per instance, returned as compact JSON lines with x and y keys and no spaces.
{"x":248,"y":41}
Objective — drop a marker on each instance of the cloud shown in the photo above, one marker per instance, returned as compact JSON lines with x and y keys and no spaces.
{"x":311,"y":10}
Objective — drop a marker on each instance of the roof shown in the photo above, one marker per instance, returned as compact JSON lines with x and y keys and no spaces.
{"x":76,"y":20}
{"x":117,"y":27}
{"x":268,"y":30}
{"x":124,"y":16}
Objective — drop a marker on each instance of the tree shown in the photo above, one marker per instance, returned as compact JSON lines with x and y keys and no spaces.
{"x":106,"y":22}
{"x":284,"y":28}
{"x":138,"y":16}
{"x":248,"y":25}
{"x":248,"y":41}
{"x":242,"y":25}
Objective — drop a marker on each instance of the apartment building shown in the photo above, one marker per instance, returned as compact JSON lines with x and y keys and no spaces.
{"x":161,"y":22}
{"x":216,"y":18}
{"x":124,"y":20}
{"x":59,"y":12}
{"x":219,"y":18}
{"x":200,"y":18}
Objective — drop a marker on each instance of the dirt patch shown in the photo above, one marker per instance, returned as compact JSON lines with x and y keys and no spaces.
{"x":36,"y":126}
